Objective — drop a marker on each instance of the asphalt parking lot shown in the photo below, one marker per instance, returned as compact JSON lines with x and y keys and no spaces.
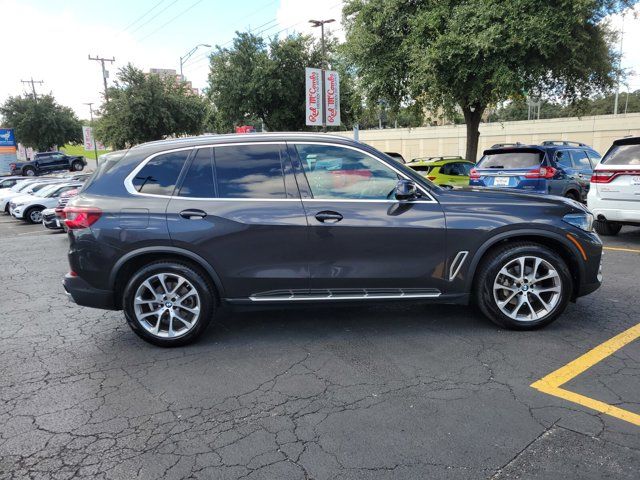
{"x":391,"y":392}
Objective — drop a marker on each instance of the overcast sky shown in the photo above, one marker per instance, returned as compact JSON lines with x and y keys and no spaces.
{"x":50,"y":40}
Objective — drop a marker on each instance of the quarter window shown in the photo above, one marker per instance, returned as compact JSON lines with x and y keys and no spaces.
{"x":249,"y":171}
{"x":340,"y":173}
{"x":581,"y":160}
{"x":160,"y":174}
{"x":198,"y":182}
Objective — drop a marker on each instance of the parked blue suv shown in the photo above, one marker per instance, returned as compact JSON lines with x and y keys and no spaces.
{"x":554,"y":167}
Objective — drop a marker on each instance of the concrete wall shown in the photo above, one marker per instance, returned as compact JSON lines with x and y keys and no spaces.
{"x":597,"y":131}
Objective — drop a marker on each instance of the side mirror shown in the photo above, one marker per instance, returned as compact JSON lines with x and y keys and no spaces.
{"x":406,"y":190}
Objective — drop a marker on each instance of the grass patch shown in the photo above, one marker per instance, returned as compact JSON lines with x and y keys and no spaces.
{"x":79,"y":150}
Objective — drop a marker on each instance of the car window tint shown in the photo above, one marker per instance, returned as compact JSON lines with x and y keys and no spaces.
{"x":581,"y":160}
{"x":421,"y":168}
{"x":563,"y":159}
{"x":595,"y":157}
{"x":249,"y":171}
{"x":341,"y":173}
{"x":198,"y":182}
{"x":466,"y":167}
{"x":623,"y":155}
{"x":509,"y":160}
{"x":159,"y":175}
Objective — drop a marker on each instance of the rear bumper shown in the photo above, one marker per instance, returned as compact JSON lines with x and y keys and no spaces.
{"x":623,"y":211}
{"x":87,"y":296}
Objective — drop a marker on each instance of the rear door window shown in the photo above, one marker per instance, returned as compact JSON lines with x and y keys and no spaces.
{"x":160,"y":174}
{"x":198,"y":182}
{"x":563,"y":159}
{"x":623,"y":155}
{"x":249,"y":171}
{"x":581,"y":160}
{"x":511,"y":160}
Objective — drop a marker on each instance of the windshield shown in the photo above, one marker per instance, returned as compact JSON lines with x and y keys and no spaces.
{"x":511,"y":160}
{"x":45,"y":190}
{"x":18,"y":187}
{"x":623,"y":155}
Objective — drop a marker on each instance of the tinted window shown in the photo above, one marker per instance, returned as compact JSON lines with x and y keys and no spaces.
{"x":199,"y":179}
{"x":421,"y":168}
{"x":581,"y":160}
{"x":623,"y":155}
{"x":342,"y":173}
{"x":563,"y":159}
{"x":509,"y":160}
{"x":159,"y":175}
{"x":457,"y":169}
{"x":594,"y":156}
{"x":249,"y":171}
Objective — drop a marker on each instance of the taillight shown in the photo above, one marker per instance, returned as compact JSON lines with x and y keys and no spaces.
{"x":542,"y":172}
{"x":432,"y":178}
{"x":474,"y":175}
{"x":606,"y":176}
{"x":12,"y":166}
{"x":80,"y":217}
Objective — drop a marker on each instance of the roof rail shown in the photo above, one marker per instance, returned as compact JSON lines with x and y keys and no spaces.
{"x":564,"y":142}
{"x":503,"y":145}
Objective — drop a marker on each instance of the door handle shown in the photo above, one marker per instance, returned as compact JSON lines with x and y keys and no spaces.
{"x":193,"y":214}
{"x":328,"y":217}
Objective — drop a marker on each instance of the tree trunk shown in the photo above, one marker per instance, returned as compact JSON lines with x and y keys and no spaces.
{"x":472,"y":119}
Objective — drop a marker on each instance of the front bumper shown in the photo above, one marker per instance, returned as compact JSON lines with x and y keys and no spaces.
{"x":16,"y":211}
{"x":87,"y":296}
{"x":51,"y":221}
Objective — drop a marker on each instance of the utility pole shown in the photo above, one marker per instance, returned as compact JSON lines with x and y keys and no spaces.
{"x":105,"y":74}
{"x":33,"y":85}
{"x":615,"y":104}
{"x":320,"y":23}
{"x":95,"y":146}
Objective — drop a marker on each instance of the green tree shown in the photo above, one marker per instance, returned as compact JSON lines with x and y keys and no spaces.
{"x":144,"y":107}
{"x":41,"y":123}
{"x":469,"y":54}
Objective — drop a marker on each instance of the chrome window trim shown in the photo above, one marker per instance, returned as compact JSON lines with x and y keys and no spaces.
{"x":128,"y":181}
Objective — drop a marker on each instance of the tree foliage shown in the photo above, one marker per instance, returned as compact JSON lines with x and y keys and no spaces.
{"x":253,"y":81}
{"x":469,"y":54}
{"x":144,"y":107}
{"x":41,"y":123}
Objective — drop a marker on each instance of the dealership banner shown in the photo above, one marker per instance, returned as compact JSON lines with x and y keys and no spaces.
{"x":8,"y":151}
{"x":87,"y":135}
{"x":313,"y":94}
{"x":332,"y":97}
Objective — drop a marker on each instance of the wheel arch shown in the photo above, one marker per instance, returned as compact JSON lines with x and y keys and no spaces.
{"x":135,"y":259}
{"x":556,"y":242}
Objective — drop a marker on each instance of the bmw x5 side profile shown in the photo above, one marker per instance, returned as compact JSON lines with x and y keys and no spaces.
{"x":168,"y":231}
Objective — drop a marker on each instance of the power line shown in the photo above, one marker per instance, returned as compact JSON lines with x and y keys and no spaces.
{"x":155,"y":16}
{"x":142,"y":16}
{"x":174,"y":18}
{"x":33,"y":85}
{"x":105,"y":74}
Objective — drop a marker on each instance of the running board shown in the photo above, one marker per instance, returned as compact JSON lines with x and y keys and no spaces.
{"x":344,"y":294}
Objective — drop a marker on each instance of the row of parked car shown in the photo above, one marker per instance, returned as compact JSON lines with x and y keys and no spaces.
{"x":39,"y":199}
{"x":610,"y":186}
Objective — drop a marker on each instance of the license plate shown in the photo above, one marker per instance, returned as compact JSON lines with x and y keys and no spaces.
{"x":501,"y":182}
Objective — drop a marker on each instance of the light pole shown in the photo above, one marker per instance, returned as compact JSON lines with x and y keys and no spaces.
{"x":615,"y":104}
{"x":95,"y":146}
{"x":320,"y":23}
{"x":186,"y":57}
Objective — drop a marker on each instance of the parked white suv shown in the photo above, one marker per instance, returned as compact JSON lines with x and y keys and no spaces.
{"x":614,"y":196}
{"x":30,"y":207}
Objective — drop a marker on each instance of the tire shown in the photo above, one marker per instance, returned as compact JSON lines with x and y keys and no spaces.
{"x":199,"y":296}
{"x":29,"y":171}
{"x":77,"y":166}
{"x":33,"y":215}
{"x":607,"y":228}
{"x":540,"y":307}
{"x":573,"y":195}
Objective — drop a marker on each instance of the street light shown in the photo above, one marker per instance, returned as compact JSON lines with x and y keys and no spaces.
{"x":314,"y":24}
{"x":184,"y":59}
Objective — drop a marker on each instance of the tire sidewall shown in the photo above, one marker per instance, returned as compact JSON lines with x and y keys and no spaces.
{"x":77,"y":166}
{"x":203,"y":287}
{"x":486,"y":299}
{"x":27,"y":214}
{"x":29,"y":172}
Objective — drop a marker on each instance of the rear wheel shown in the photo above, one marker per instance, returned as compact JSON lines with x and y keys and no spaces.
{"x":29,"y":171}
{"x":523,"y":286}
{"x":33,"y":215}
{"x":607,"y":228}
{"x":573,"y":195}
{"x":168,"y":303}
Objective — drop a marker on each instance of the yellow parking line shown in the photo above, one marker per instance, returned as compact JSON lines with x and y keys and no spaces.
{"x":619,"y":249}
{"x":551,"y":383}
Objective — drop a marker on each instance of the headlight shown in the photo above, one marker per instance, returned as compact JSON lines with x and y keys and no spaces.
{"x":583,"y":221}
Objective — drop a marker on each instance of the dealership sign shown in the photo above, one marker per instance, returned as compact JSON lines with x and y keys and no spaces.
{"x":7,"y":149}
{"x":313,"y":93}
{"x":332,"y":97}
{"x":322,"y":92}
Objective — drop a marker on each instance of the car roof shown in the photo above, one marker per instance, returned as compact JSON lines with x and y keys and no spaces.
{"x":547,"y":145}
{"x":443,"y":160}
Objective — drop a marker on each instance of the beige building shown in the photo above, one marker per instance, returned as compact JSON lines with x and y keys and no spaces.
{"x":598,"y":131}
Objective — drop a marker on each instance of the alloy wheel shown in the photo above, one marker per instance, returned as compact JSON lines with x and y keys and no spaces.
{"x":35,"y":216}
{"x":527,"y":288}
{"x":167,"y":305}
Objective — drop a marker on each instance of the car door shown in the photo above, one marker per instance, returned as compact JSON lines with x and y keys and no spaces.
{"x":43,"y":162}
{"x":239,"y":208}
{"x":364,"y":242}
{"x":566,"y":177}
{"x":584,"y":169}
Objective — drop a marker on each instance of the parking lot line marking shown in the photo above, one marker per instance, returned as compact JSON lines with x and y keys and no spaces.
{"x":551,"y":384}
{"x":620,"y":249}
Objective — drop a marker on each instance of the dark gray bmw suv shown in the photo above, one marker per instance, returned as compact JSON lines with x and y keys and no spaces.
{"x":170,"y":230}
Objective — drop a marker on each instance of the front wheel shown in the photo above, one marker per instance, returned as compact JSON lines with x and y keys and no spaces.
{"x":168,"y":303}
{"x":523,"y":286}
{"x":33,"y":215}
